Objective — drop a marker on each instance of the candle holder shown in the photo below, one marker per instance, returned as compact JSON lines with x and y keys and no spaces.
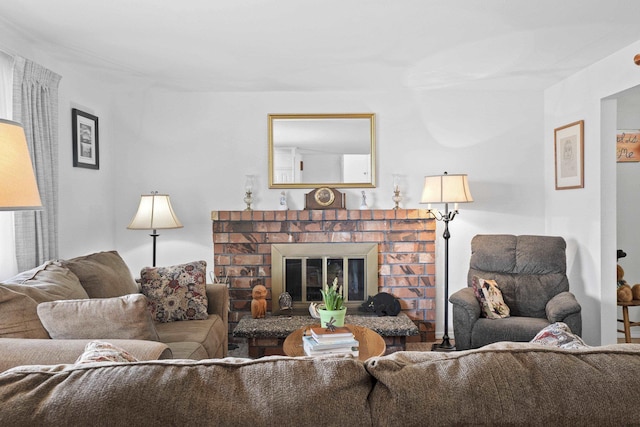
{"x":397,"y":198}
{"x":248,"y":194}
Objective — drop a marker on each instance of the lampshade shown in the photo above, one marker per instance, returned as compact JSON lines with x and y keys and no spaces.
{"x":154,"y":212}
{"x":18,"y":187}
{"x":446,"y":189}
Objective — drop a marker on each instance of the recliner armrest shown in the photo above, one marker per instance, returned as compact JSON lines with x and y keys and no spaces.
{"x":562,"y":306}
{"x":466,"y":299}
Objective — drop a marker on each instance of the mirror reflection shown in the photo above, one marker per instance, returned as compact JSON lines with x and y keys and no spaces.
{"x":314,"y":150}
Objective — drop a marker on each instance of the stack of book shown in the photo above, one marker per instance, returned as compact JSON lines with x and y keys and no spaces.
{"x":321,"y":341}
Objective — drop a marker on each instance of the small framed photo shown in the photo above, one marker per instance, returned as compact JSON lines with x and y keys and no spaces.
{"x":628,"y":146}
{"x":86,"y":152}
{"x":569,"y":156}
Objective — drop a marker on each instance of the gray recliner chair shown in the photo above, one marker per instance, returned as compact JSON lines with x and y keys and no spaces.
{"x":531,"y":274}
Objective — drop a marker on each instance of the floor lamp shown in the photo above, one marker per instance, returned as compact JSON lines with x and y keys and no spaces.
{"x":445,"y":189}
{"x":154,"y":212}
{"x":18,"y":185}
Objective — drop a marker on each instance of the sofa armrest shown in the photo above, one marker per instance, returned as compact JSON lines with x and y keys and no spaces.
{"x":466,"y":311}
{"x":30,"y":351}
{"x":218,"y":300}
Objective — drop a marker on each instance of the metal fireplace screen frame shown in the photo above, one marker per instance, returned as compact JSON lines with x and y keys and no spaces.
{"x":301,"y":269}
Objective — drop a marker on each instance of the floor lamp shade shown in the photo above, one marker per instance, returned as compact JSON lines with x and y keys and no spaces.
{"x":18,"y":186}
{"x":446,"y":189}
{"x":154,"y":212}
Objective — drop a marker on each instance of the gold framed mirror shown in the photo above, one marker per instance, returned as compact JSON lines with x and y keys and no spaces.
{"x":322,"y":150}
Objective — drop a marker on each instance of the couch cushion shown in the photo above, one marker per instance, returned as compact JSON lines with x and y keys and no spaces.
{"x":514,"y":328}
{"x":177,"y":292}
{"x":47,"y":282}
{"x":188,"y":350}
{"x":99,"y":351}
{"x":103,"y":274}
{"x":125,"y":317}
{"x":210,"y":333}
{"x":21,"y":294}
{"x":18,"y":316}
{"x":20,"y":351}
{"x":508,"y":384}
{"x":269,"y":391}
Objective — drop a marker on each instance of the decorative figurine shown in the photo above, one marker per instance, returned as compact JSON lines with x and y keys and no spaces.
{"x":259,"y":302}
{"x":286,"y":303}
{"x":363,"y":203}
{"x":283,"y":201}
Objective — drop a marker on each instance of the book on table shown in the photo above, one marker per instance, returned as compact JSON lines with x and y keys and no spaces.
{"x":314,"y":348}
{"x":324,"y":334}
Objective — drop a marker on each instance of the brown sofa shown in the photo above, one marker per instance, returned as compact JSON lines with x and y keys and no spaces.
{"x":499,"y":384}
{"x":48,"y":314}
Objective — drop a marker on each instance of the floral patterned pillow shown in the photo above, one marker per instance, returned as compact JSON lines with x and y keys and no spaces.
{"x":559,"y":335}
{"x":98,"y":351}
{"x":177,"y":292}
{"x":490,"y":298}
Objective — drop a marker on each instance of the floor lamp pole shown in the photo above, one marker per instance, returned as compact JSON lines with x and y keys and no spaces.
{"x":154,"y":235}
{"x":445,"y":345}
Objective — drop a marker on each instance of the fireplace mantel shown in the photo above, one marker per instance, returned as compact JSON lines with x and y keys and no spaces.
{"x":406,"y":251}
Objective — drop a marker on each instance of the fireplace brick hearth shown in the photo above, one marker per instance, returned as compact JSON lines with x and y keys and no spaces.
{"x":406,"y":252}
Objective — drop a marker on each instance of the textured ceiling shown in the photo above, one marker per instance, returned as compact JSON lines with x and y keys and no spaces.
{"x":301,"y":45}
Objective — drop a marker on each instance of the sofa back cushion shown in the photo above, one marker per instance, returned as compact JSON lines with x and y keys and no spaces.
{"x":529,"y":270}
{"x":20,"y":295}
{"x":103,"y":274}
{"x":508,"y":384}
{"x":47,"y":282}
{"x":18,"y":317}
{"x":269,"y":391}
{"x":125,"y":317}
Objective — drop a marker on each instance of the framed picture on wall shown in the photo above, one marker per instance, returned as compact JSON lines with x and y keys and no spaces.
{"x":569,"y":156}
{"x":628,"y":146}
{"x":86,"y":152}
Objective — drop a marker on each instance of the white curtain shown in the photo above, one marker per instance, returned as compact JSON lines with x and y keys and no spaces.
{"x":35,"y":105}
{"x":8,"y":262}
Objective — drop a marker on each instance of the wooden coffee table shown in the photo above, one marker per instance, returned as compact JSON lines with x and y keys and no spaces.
{"x":371,"y":344}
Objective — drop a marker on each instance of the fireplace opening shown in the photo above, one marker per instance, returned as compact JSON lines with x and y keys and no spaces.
{"x":301,"y":269}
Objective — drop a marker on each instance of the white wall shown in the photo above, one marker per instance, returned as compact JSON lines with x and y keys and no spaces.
{"x":586,"y":217}
{"x":198,"y":146}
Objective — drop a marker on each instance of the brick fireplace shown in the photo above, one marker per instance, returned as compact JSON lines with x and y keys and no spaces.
{"x":406,"y":252}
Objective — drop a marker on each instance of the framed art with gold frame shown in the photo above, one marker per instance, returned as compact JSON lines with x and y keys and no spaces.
{"x":569,"y":156}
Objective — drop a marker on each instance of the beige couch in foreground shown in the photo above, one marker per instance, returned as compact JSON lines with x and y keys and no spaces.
{"x":48,"y":314}
{"x":500,"y":384}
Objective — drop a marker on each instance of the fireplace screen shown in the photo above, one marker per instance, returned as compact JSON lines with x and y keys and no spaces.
{"x":302,"y":269}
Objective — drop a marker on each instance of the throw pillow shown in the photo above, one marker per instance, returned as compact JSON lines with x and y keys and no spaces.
{"x":490,"y":298}
{"x":177,"y":292}
{"x":125,"y":317}
{"x":21,"y":294}
{"x":18,"y":317}
{"x":559,"y":335}
{"x":47,"y":282}
{"x":103,"y":274}
{"x":98,"y":351}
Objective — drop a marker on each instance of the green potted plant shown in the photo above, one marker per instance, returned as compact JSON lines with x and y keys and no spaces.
{"x":332,"y":311}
